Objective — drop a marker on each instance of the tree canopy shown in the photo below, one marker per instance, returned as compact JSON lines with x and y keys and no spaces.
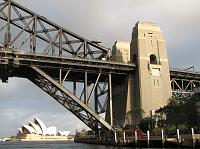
{"x":180,"y":111}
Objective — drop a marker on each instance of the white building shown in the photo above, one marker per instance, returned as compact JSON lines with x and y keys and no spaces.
{"x":36,"y":131}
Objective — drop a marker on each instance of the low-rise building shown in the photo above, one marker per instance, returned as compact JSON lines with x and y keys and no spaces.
{"x":37,"y":131}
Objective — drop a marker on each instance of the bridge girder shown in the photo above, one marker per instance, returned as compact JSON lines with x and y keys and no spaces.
{"x":28,"y":31}
{"x":51,"y":73}
{"x":184,"y":83}
{"x":55,"y":55}
{"x":79,"y":108}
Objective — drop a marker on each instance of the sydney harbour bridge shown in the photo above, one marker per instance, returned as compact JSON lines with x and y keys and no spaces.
{"x":80,"y":74}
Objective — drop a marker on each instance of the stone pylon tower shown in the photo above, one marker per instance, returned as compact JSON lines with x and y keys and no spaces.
{"x":122,"y":87}
{"x":148,"y":88}
{"x":151,"y":80}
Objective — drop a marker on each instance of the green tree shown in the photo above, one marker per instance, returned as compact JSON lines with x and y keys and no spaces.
{"x":147,"y":123}
{"x":180,"y":111}
{"x":134,"y":117}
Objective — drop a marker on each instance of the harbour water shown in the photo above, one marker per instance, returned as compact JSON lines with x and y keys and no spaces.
{"x":52,"y":145}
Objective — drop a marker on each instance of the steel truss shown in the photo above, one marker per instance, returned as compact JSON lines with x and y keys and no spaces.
{"x":184,"y":87}
{"x":183,"y":82}
{"x":82,"y":86}
{"x":87,"y":106}
{"x":53,"y":57}
{"x":28,"y":31}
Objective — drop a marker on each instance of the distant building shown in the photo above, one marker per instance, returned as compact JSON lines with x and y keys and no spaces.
{"x":37,"y":131}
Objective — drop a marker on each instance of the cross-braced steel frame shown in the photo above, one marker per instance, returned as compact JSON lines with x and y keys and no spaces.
{"x":28,"y":31}
{"x":184,"y":83}
{"x":71,"y":69}
{"x":183,"y":87}
{"x":86,"y":110}
{"x":82,"y":86}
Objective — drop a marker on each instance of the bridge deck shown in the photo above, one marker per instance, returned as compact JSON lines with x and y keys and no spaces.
{"x":17,"y":57}
{"x":183,"y":74}
{"x":20,"y":58}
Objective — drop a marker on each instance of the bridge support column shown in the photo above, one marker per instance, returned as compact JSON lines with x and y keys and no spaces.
{"x":96,"y":110}
{"x":85,"y":88}
{"x":122,"y":87}
{"x":110,"y":98}
{"x":4,"y":74}
{"x":74,"y":88}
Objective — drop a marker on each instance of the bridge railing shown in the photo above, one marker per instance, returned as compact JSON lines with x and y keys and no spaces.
{"x":184,"y":70}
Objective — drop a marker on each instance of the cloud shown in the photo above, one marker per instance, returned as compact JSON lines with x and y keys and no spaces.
{"x":20,"y":88}
{"x":112,"y":20}
{"x":13,"y":117}
{"x":21,"y":101}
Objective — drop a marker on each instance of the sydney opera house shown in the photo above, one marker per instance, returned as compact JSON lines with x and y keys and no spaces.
{"x":37,"y":131}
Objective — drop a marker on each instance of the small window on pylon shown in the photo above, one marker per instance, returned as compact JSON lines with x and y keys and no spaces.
{"x":153,"y":59}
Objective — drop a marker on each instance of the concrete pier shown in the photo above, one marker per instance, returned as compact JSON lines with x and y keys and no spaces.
{"x":121,"y":138}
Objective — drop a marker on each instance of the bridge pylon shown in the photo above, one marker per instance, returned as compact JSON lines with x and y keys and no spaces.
{"x":151,"y":79}
{"x":148,"y":87}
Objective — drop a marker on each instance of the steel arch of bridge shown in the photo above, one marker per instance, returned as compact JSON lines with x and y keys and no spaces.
{"x":79,"y":107}
{"x":53,"y":57}
{"x":24,"y":29}
{"x":61,"y":77}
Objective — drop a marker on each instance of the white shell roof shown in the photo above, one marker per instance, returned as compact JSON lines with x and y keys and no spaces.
{"x":30,"y":129}
{"x":36,"y":127}
{"x":20,"y":130}
{"x":51,"y":131}
{"x":41,"y":125}
{"x":63,"y":133}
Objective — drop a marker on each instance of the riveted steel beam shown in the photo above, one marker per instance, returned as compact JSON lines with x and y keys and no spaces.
{"x":44,"y":33}
{"x":69,"y":100}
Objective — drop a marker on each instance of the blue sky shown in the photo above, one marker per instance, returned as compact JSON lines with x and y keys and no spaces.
{"x":108,"y":20}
